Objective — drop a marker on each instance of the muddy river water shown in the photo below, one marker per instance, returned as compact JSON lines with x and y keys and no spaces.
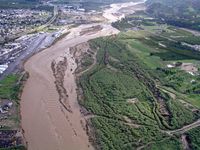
{"x":46,"y":123}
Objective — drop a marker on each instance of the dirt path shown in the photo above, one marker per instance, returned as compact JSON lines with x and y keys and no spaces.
{"x":149,"y":143}
{"x":185,"y":142}
{"x":185,"y":128}
{"x":182,"y":130}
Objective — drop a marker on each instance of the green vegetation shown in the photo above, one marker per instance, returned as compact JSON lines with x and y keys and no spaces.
{"x":86,"y":61}
{"x":10,"y":90}
{"x":115,"y":135}
{"x":131,"y":89}
{"x":121,"y":92}
{"x":181,"y":35}
{"x":122,"y":24}
{"x":14,"y":148}
{"x":8,"y":87}
{"x":194,"y":139}
{"x":180,"y":80}
{"x":159,"y":44}
{"x":183,"y":13}
{"x":168,"y":144}
{"x":181,"y":115}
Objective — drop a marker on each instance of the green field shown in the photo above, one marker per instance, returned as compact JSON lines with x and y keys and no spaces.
{"x":8,"y":87}
{"x":132,"y":94}
{"x":130,"y":110}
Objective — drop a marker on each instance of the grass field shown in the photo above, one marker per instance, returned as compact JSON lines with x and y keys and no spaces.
{"x":8,"y":87}
{"x":160,"y":44}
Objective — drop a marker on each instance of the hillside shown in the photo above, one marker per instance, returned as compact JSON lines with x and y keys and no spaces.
{"x":182,"y":13}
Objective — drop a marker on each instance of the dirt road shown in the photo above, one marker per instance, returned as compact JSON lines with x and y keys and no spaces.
{"x":48,"y":125}
{"x":185,"y":128}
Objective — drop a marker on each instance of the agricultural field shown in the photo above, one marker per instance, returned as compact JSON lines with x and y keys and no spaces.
{"x":172,"y":51}
{"x":144,"y":86}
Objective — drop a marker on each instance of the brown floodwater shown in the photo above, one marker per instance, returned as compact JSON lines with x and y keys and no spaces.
{"x":47,"y":125}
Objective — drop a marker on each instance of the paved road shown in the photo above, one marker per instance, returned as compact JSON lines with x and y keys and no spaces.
{"x":55,"y":14}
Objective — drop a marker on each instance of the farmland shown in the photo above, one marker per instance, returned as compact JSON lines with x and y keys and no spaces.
{"x":133,"y":99}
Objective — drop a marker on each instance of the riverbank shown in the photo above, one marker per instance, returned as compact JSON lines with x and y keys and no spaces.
{"x":47,"y":93}
{"x":46,"y":125}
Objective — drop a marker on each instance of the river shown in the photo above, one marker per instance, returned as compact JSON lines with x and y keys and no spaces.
{"x":46,"y":124}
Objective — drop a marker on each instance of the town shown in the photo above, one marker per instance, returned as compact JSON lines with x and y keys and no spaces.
{"x":16,"y":21}
{"x":20,"y":27}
